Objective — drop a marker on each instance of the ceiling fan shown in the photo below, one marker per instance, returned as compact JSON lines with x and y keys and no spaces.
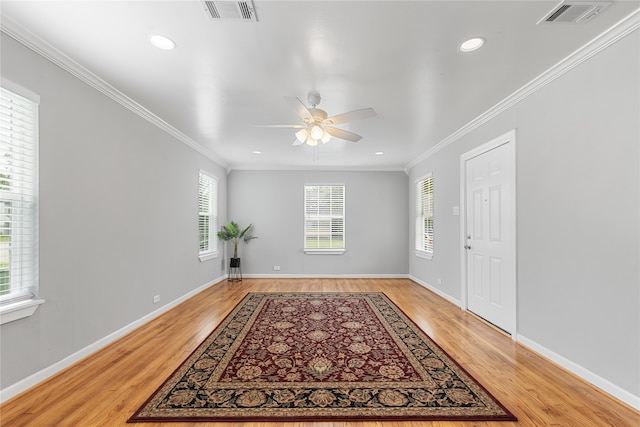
{"x":317,"y":126}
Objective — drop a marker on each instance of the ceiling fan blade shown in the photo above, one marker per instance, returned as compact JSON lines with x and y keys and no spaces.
{"x":297,"y":142}
{"x":281,"y":126}
{"x":343,"y":134}
{"x":350,"y":116}
{"x":301,"y":110}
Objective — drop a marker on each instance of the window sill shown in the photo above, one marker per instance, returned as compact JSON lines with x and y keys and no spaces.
{"x":424,"y":255}
{"x":324,"y":251}
{"x":205,"y":256}
{"x":19,"y":310}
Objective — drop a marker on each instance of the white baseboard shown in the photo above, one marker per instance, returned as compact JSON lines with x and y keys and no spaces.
{"x":326,"y":276}
{"x":25,"y":384}
{"x":437,"y":291}
{"x":601,"y":383}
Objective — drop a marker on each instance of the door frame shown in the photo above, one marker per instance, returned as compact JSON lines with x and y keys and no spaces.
{"x":509,"y":137}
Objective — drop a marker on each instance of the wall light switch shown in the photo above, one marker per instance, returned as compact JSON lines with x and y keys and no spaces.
{"x":456,"y":210}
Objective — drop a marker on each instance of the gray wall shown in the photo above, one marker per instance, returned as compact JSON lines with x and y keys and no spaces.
{"x":118,"y":218}
{"x":578,"y":190}
{"x":376,"y":222}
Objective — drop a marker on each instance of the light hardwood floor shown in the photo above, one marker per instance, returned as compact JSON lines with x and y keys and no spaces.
{"x":107,"y":387}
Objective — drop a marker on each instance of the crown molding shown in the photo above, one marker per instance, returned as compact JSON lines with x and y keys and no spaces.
{"x":618,"y":31}
{"x":297,"y":168}
{"x":44,"y":49}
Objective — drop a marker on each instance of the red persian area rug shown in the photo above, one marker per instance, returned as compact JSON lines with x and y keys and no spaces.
{"x":319,"y":356}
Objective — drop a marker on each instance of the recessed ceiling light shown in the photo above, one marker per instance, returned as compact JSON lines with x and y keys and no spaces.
{"x":257,"y":152}
{"x":162,"y":42}
{"x":472,"y":44}
{"x":379,"y":153}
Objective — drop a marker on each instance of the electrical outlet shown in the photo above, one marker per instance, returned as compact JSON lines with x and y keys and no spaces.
{"x":276,"y":268}
{"x":439,"y":281}
{"x":156,"y":299}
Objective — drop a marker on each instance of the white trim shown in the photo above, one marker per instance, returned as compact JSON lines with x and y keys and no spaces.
{"x":423,"y":254}
{"x":44,"y":49}
{"x":308,"y":168}
{"x":422,"y":178}
{"x":17,"y":388}
{"x":328,"y":251}
{"x":214,"y":204}
{"x":592,"y":378}
{"x":488,"y":146}
{"x":324,"y":251}
{"x":436,"y":291}
{"x":601,"y":42}
{"x":507,"y":138}
{"x":21,"y":301}
{"x":206,"y":256}
{"x":22,"y":91}
{"x":19,"y":310}
{"x":326,"y":276}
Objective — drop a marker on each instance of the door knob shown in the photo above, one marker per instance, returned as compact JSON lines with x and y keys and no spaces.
{"x":467,"y":247}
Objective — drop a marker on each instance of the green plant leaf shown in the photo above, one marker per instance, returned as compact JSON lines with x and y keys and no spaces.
{"x":232,"y":232}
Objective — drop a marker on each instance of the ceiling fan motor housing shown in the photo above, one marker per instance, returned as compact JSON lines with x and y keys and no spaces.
{"x":318,"y":114}
{"x":313,"y":98}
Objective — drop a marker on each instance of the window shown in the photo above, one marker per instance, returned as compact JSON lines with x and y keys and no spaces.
{"x":18,"y":205}
{"x":207,"y":216}
{"x":324,"y":218}
{"x":424,"y":217}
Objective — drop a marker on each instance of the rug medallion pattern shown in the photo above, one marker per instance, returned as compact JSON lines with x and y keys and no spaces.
{"x":311,"y":356}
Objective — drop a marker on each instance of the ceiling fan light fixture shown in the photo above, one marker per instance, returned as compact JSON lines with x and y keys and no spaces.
{"x":302,"y":135}
{"x":316,"y":132}
{"x":317,"y":127}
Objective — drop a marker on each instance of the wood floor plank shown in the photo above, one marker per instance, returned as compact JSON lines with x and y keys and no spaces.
{"x":107,"y":387}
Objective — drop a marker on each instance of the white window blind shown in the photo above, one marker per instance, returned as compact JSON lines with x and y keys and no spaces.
{"x":424,"y":214}
{"x":207,"y":213}
{"x":18,"y":198}
{"x":324,"y":217}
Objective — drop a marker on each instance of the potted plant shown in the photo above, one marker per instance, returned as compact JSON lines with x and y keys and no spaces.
{"x":232,"y":232}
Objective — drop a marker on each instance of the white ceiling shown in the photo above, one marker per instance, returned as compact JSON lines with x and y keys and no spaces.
{"x":226,"y":77}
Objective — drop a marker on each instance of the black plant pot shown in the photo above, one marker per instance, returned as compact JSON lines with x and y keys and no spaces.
{"x":235,"y":272}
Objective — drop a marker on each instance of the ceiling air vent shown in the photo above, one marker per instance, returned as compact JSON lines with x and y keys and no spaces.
{"x":230,"y":10}
{"x":573,"y":12}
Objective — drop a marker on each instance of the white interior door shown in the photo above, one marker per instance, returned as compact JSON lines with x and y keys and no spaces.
{"x":490,"y":235}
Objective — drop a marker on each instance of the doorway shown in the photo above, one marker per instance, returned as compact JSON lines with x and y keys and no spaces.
{"x":488,"y":232}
